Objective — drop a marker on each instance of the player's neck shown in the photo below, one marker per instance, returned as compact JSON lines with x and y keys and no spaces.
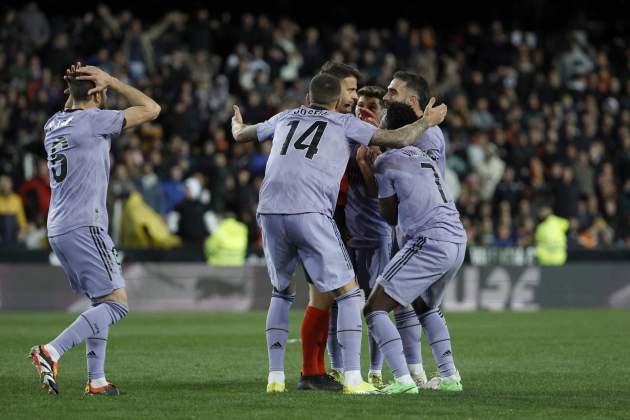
{"x":321,"y":107}
{"x":82,"y":106}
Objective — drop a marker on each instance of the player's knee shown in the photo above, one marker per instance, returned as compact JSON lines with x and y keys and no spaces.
{"x":117,"y":310}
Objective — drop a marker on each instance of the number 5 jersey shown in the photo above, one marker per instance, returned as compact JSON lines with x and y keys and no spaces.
{"x":77,"y":143}
{"x":310,"y":151}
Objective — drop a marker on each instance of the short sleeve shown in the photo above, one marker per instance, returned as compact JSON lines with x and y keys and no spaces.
{"x":385,"y":184}
{"x":107,"y":122}
{"x":359,"y":131}
{"x":265,"y":130}
{"x":432,"y":143}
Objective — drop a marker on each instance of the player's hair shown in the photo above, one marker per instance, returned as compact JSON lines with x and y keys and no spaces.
{"x":324,"y":89}
{"x":398,"y":115}
{"x":373,"y":91}
{"x":416,"y":83}
{"x":79,"y":89}
{"x":340,"y":70}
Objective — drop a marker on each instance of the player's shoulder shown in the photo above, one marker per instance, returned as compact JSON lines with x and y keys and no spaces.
{"x":432,"y":136}
{"x":305,"y":112}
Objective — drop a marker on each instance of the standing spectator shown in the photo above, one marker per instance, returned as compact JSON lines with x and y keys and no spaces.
{"x":13,"y":224}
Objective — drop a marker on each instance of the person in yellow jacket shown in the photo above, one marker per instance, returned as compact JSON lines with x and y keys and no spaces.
{"x":227,"y":245}
{"x":11,"y":204}
{"x":143,"y":227}
{"x":551,"y":238}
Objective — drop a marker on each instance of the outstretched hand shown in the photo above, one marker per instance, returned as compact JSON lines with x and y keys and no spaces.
{"x":434,"y":116}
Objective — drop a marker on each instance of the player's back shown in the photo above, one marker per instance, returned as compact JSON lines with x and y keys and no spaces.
{"x":310,"y":150}
{"x":77,"y":143}
{"x":425,"y":207}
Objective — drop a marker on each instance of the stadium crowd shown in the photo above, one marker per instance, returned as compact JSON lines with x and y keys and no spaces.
{"x":534,"y":118}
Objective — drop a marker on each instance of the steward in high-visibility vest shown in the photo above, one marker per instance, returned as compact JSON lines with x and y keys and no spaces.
{"x":227,"y":245}
{"x":551,"y":239}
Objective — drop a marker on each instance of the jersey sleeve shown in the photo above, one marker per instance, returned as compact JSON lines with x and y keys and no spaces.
{"x":358,"y":131}
{"x":384,"y":182}
{"x":266,"y":129}
{"x":107,"y":122}
{"x":432,"y":142}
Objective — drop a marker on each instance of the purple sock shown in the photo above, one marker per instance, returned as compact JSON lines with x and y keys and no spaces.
{"x":332,"y":344}
{"x":409,"y":328}
{"x":435,"y":328}
{"x":376,"y":355}
{"x":350,"y":328}
{"x":95,"y":350}
{"x":389,"y":341}
{"x":90,"y":323}
{"x":277,"y":329}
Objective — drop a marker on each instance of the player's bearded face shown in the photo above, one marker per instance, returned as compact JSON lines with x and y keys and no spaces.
{"x":348,"y":96}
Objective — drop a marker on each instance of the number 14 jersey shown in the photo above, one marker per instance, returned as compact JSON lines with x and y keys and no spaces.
{"x":309,"y":154}
{"x":425,"y":206}
{"x":77,"y":143}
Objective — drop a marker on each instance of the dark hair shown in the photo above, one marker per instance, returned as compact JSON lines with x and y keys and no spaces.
{"x":416,"y":83}
{"x":398,"y":115}
{"x":324,"y":89}
{"x":79,"y":89}
{"x":340,"y":70}
{"x":373,"y":91}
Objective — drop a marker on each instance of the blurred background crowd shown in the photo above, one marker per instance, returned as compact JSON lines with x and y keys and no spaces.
{"x":535,"y":118}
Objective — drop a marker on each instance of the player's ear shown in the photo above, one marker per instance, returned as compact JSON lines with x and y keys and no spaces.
{"x":96,"y":98}
{"x":308,"y":99}
{"x":338,"y":103}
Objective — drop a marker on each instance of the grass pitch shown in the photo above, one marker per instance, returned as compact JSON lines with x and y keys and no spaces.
{"x":553,"y":364}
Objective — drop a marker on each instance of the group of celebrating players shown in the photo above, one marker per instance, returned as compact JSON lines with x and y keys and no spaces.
{"x":313,"y":146}
{"x":402,"y":235}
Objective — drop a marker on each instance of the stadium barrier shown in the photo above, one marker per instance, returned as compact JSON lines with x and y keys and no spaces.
{"x":195,"y":286}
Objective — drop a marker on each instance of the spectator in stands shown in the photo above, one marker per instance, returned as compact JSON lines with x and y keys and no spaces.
{"x":227,"y":245}
{"x":519,"y":109}
{"x":13,"y":224}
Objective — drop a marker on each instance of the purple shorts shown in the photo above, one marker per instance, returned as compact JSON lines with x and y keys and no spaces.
{"x":312,"y":238}
{"x":89,"y":258}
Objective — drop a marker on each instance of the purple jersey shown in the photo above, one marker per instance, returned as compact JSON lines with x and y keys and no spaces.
{"x":433,"y":144}
{"x":367,"y":227}
{"x":425,"y":206}
{"x":77,"y":144}
{"x":310,"y":151}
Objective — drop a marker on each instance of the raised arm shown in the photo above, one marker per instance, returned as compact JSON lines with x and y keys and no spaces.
{"x":142,"y":109}
{"x":365,"y":160}
{"x":242,"y":132}
{"x":407,"y":135}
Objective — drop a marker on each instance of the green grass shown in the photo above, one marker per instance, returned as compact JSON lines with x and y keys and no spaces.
{"x":558,"y":364}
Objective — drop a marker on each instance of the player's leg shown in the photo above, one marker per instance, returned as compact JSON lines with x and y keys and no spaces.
{"x":435,"y":327}
{"x":281,"y":258}
{"x":368,"y":264}
{"x":408,"y":327}
{"x":314,"y":332}
{"x":388,"y":339}
{"x":88,"y":257}
{"x":409,"y":274}
{"x":328,"y":264}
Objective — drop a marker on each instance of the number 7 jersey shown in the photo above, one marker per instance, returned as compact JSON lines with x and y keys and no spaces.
{"x":310,"y":151}
{"x":77,"y":143}
{"x":425,"y":206}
